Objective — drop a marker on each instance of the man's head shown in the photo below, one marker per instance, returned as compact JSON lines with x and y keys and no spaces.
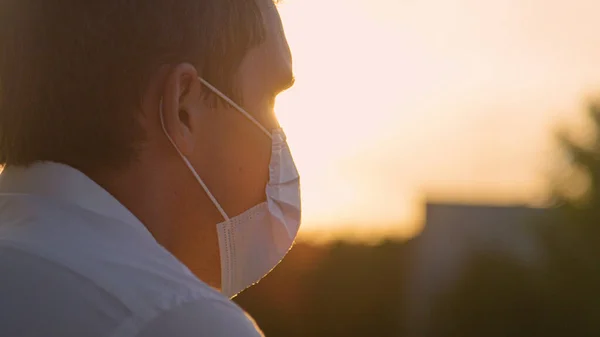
{"x":81,"y":83}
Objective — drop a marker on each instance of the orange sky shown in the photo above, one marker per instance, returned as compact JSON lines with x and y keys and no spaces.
{"x":399,"y":99}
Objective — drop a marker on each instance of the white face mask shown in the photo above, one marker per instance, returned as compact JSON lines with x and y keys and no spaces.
{"x":254,"y":242}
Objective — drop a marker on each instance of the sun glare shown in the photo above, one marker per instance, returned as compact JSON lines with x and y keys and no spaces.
{"x":399,"y":100}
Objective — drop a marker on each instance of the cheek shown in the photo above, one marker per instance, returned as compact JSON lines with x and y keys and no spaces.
{"x":246,"y":175}
{"x":234,"y":161}
{"x":252,"y":165}
{"x":251,"y":153}
{"x":261,"y":105}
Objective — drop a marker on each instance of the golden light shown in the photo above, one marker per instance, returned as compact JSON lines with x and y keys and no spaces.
{"x":399,"y":100}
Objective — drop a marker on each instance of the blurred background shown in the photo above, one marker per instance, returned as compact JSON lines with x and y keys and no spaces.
{"x":450,"y":160}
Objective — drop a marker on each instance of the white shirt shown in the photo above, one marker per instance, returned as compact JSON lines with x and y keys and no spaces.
{"x":75,"y":262}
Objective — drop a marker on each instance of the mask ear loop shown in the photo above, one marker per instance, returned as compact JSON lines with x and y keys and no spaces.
{"x":189,"y":165}
{"x":236,"y":106}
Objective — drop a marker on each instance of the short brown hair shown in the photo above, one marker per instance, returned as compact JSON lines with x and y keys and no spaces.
{"x":72,"y":71}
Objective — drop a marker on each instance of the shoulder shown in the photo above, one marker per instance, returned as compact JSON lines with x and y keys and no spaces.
{"x":206,"y":317}
{"x":118,"y":279}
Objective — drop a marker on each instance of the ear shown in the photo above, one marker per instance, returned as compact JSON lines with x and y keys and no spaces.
{"x":180,"y":103}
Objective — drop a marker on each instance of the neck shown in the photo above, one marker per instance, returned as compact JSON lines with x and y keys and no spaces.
{"x":177,"y":212}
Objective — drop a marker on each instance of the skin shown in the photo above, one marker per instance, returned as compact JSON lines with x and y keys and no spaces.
{"x":229,"y":153}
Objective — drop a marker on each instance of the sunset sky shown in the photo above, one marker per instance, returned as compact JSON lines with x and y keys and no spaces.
{"x":397,"y":101}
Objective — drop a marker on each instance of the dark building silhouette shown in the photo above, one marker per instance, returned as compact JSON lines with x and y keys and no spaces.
{"x":453,"y":233}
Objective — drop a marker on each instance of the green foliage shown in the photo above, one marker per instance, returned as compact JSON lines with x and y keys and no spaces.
{"x":580,"y":156}
{"x":499,"y":296}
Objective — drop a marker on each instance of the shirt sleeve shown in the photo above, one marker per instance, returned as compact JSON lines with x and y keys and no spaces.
{"x":203,"y":319}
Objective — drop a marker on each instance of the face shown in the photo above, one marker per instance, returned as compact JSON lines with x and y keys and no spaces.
{"x":234,"y":153}
{"x":229,"y":153}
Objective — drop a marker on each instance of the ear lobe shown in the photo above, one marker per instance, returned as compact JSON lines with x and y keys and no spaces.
{"x":174,"y":112}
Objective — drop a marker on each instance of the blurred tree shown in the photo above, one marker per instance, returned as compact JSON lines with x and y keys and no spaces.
{"x":561,"y":297}
{"x":572,"y":236}
{"x":576,"y":183}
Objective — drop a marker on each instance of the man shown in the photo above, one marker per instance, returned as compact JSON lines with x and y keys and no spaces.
{"x":144,"y":167}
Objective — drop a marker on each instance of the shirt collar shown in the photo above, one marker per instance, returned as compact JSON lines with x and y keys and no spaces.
{"x":64,"y":183}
